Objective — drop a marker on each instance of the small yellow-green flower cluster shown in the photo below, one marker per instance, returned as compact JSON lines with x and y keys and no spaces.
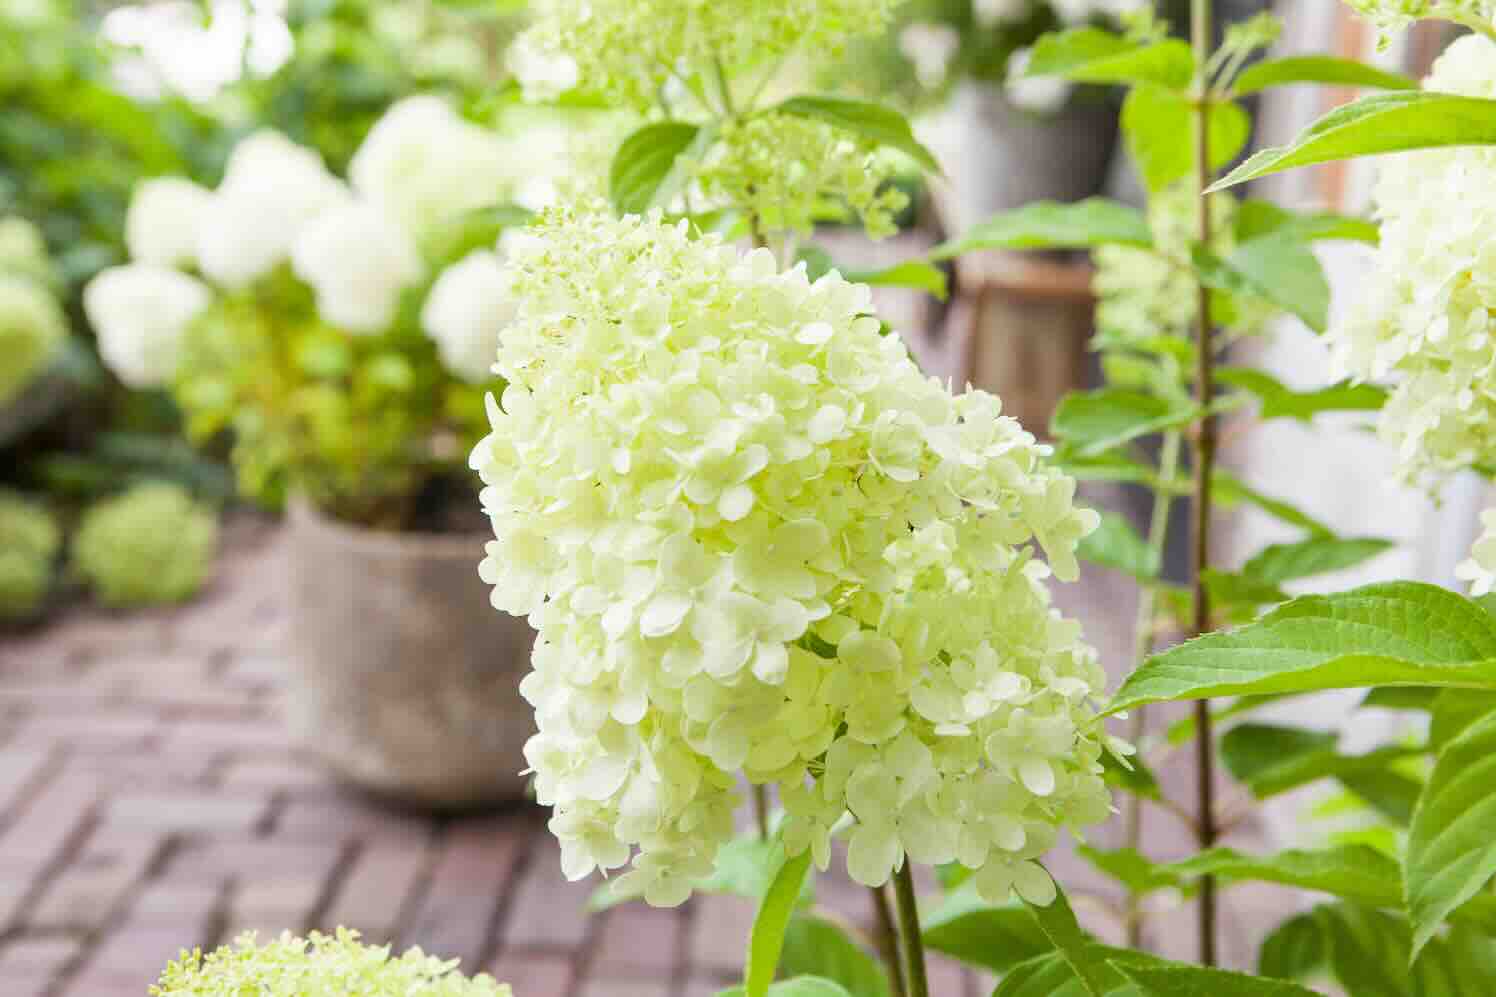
{"x":319,"y":966}
{"x":1427,"y":317}
{"x":1144,"y":293}
{"x":755,"y":539}
{"x":149,"y":546}
{"x":709,"y":64}
{"x":32,"y":325}
{"x":29,"y":541}
{"x":1394,"y":15}
{"x":630,"y":49}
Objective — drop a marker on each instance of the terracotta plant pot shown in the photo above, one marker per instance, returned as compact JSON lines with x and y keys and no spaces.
{"x":403,"y":678}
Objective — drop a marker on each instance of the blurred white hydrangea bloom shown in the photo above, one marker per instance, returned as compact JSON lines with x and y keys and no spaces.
{"x":140,"y":312}
{"x":543,"y":76}
{"x":468,"y":307}
{"x":1480,"y":569}
{"x":359,"y":260}
{"x":755,"y":539}
{"x":1427,"y":318}
{"x":272,"y":189}
{"x":165,"y":221}
{"x":427,"y":165}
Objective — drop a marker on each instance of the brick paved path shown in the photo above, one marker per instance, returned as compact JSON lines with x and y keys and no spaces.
{"x":150,"y":800}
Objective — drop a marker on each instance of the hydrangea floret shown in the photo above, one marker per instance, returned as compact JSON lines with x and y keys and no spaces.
{"x":1428,"y":315}
{"x":1394,"y":15}
{"x":29,"y":542}
{"x":756,"y":541}
{"x":1480,"y":568}
{"x":151,"y":545}
{"x":318,"y":966}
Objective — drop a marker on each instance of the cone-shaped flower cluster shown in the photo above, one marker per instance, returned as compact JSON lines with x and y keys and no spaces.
{"x":629,"y":49}
{"x":755,"y":539}
{"x":1394,"y":15}
{"x":1428,"y":315}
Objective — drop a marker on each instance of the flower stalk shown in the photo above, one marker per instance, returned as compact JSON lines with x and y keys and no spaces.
{"x":911,"y":939}
{"x":1205,"y":435}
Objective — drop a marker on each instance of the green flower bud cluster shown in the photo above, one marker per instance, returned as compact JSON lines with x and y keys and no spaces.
{"x":32,"y":325}
{"x":29,"y":541}
{"x":149,"y":546}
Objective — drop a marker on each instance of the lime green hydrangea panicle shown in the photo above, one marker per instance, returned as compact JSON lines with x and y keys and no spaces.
{"x":29,"y":542}
{"x":151,"y":545}
{"x":756,"y":540}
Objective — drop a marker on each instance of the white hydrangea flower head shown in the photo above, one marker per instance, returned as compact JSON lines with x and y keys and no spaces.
{"x":1081,"y":11}
{"x":628,"y":49}
{"x":272,"y":189}
{"x":426,"y":165}
{"x":1428,"y":318}
{"x":1480,"y":569}
{"x":358,"y":260}
{"x":468,"y":307}
{"x":756,"y":540}
{"x":140,"y":312}
{"x":990,"y":12}
{"x":165,"y":221}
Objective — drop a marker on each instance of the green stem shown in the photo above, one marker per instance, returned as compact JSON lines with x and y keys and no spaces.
{"x":1158,"y":538}
{"x":761,"y":810}
{"x":1204,"y":467}
{"x":888,"y":940}
{"x":911,"y":939}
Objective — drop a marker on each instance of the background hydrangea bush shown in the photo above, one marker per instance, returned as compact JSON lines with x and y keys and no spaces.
{"x":151,"y":545}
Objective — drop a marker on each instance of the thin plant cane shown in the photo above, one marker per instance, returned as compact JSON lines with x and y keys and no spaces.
{"x":1204,"y":467}
{"x":911,"y":939}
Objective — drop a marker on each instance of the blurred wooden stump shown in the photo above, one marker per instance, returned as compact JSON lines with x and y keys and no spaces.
{"x":1024,"y":321}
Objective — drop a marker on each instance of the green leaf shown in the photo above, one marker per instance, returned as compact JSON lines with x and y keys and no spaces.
{"x":1192,"y":981}
{"x":1047,"y":975}
{"x":1134,"y":870}
{"x":1096,"y":221}
{"x":644,"y":163}
{"x":1384,"y":122}
{"x":1116,"y":544}
{"x":1451,"y":850}
{"x":766,"y":940}
{"x":1090,"y":55}
{"x":1279,"y":401}
{"x":981,"y":934}
{"x":1134,"y":777}
{"x":800,"y":986}
{"x":1159,"y":125}
{"x":1393,"y":793}
{"x":1295,"y":949}
{"x":1094,"y":422}
{"x":1241,"y":592}
{"x":1275,"y":268}
{"x":1318,"y":69}
{"x":1401,"y":633}
{"x":817,"y":947}
{"x":1353,"y":872}
{"x":916,"y":274}
{"x":1231,"y":490}
{"x":870,"y":121}
{"x":1256,"y":217}
{"x":1058,"y":923}
{"x":1315,"y":556}
{"x":1453,"y":710}
{"x":1258,"y":753}
{"x":1401,"y":697}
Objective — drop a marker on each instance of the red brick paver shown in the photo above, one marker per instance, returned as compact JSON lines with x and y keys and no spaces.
{"x":151,"y":800}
